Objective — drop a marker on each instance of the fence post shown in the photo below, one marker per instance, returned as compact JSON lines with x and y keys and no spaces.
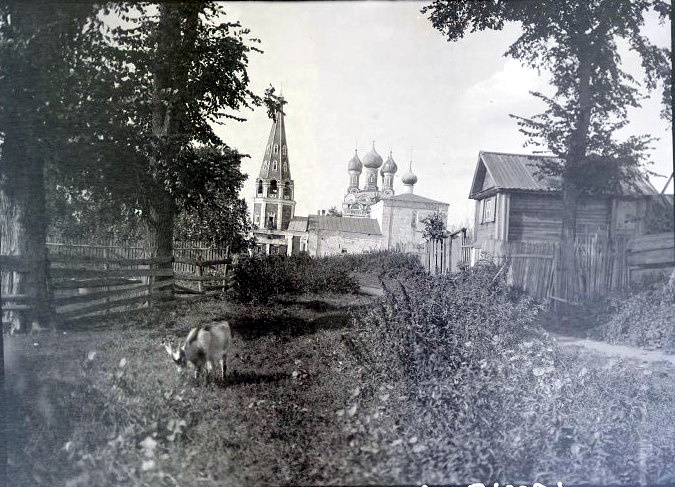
{"x":200,"y":273}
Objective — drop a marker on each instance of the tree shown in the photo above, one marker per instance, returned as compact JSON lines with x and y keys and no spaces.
{"x":215,"y":214}
{"x":333,"y":211}
{"x":576,"y":41}
{"x":37,"y":45}
{"x":434,"y":227}
{"x":165,"y":77}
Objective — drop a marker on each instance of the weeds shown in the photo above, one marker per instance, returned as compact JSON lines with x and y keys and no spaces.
{"x":484,"y":393}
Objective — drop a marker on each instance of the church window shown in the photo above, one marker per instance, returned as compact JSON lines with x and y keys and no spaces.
{"x":274,"y":165}
{"x":260,"y":187}
{"x":287,"y":191}
{"x":371,"y":178}
{"x":284,"y":165}
{"x":264,"y":165}
{"x":283,"y":150}
{"x":276,"y":148}
{"x":273,"y":188}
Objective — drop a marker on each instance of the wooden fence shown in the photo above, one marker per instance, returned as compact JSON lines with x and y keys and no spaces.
{"x":92,"y":280}
{"x":200,"y":270}
{"x":601,"y":265}
{"x":650,"y":254}
{"x":448,"y":254}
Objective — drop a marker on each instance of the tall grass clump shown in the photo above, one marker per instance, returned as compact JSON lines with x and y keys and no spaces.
{"x":259,"y":278}
{"x":480,"y":393}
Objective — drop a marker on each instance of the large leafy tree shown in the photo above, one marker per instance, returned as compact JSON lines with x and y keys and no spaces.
{"x":173,"y":71}
{"x":576,"y":41}
{"x":37,"y":44}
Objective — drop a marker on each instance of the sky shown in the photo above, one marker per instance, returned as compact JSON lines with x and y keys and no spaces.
{"x":354,"y":73}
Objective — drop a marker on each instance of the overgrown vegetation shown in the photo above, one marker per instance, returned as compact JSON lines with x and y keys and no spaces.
{"x":384,"y":264}
{"x":260,"y":278}
{"x":446,"y":379}
{"x":479,"y":392}
{"x":644,"y":319}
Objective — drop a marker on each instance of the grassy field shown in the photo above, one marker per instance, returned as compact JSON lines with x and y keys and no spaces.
{"x":108,"y":407}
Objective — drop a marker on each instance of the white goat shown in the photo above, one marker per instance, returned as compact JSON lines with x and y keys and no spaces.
{"x":205,"y":345}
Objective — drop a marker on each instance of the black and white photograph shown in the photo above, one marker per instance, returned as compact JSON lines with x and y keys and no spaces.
{"x":303,"y":243}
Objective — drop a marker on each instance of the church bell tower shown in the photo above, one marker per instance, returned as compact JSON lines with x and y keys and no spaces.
{"x":274,"y":203}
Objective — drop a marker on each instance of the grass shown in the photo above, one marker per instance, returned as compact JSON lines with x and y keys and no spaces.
{"x":302,"y":406}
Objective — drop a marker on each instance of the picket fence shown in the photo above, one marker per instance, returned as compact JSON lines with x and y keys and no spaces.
{"x":88,"y":280}
{"x":448,"y":254}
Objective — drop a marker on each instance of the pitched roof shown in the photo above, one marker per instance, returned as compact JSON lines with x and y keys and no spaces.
{"x":298,"y":224}
{"x":412,"y":197}
{"x":368,"y":226}
{"x":520,"y":172}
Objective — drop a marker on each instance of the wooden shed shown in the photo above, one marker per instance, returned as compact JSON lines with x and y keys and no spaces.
{"x":516,"y":204}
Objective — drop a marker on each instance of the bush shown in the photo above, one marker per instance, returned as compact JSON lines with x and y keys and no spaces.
{"x":644,"y":319}
{"x":384,"y":264}
{"x":261,"y":278}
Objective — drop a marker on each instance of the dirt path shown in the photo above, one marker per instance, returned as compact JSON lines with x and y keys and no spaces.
{"x":621,"y":351}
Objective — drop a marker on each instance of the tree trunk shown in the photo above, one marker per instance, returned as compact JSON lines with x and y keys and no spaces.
{"x":3,"y":422}
{"x":567,"y":283}
{"x":24,"y":224}
{"x":160,"y":239}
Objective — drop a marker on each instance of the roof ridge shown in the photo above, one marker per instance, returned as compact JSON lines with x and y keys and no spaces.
{"x":515,"y":154}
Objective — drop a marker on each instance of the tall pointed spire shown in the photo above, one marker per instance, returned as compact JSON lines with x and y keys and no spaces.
{"x":274,"y":204}
{"x":275,"y":161}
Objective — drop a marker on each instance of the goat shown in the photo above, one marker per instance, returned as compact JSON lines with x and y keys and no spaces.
{"x":206,"y":345}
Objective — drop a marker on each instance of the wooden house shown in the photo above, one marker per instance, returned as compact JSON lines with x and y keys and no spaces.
{"x":516,"y":204}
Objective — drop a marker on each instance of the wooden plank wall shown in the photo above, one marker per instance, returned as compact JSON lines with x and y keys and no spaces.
{"x":650,"y":254}
{"x":104,"y":278}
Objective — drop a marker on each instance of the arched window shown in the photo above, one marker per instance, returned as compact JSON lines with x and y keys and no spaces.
{"x":274,"y":165}
{"x":287,"y":191}
{"x":283,"y":150}
{"x":260,"y":187}
{"x":276,"y":148}
{"x":273,"y":191}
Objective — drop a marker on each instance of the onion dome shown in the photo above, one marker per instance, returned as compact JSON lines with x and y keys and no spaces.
{"x":389,"y":166}
{"x":355,"y":163}
{"x":372,"y":159}
{"x":409,"y":178}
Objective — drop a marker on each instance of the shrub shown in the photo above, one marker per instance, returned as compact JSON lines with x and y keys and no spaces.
{"x":384,"y":264}
{"x":644,"y":319}
{"x":261,"y":278}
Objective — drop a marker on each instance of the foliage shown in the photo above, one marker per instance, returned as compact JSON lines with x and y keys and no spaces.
{"x":110,"y":409}
{"x":260,"y":278}
{"x":384,"y":264}
{"x":434,"y":227}
{"x":660,"y":217}
{"x":576,"y":41}
{"x":215,"y":213}
{"x":644,"y":319}
{"x":480,"y":392}
{"x":155,"y":82}
{"x":333,"y":211}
